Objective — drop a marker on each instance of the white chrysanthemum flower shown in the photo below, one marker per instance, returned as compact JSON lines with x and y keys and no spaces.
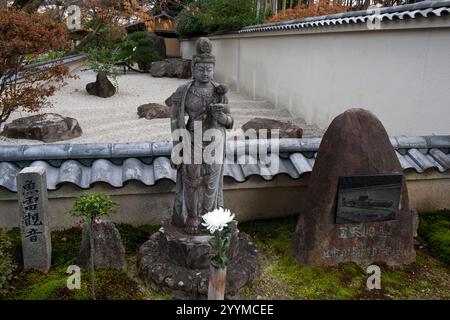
{"x":217,"y":219}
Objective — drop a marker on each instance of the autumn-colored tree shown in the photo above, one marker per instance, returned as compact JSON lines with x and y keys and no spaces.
{"x":302,"y":11}
{"x":171,"y":7}
{"x":24,"y":36}
{"x":106,"y":20}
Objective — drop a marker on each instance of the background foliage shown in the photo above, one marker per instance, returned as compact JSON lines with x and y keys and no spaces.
{"x":304,"y":10}
{"x":206,"y":16}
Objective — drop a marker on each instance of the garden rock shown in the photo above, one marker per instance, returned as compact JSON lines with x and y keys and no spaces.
{"x":287,"y":129}
{"x":153,"y":111}
{"x":102,"y":87}
{"x":109,"y":251}
{"x":173,"y":68}
{"x":47,"y":127}
{"x":168,"y":101}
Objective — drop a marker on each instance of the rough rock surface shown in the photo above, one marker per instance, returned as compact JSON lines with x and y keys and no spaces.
{"x":109,"y":251}
{"x":47,"y":127}
{"x":192,"y":251}
{"x":287,"y":129}
{"x":168,"y":101}
{"x":173,"y":68}
{"x":102,"y":87}
{"x":186,"y":283}
{"x":355,"y":143}
{"x":153,"y":111}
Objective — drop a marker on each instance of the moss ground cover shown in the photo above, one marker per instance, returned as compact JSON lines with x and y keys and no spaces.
{"x":280,"y":276}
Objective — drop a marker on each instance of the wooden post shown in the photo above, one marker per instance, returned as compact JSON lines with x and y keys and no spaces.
{"x":217,"y":281}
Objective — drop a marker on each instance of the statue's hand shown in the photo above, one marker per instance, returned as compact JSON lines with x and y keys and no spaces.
{"x":218,"y":112}
{"x":172,"y":164}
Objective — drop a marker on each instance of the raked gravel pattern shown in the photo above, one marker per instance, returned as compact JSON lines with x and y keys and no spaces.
{"x":115,"y":119}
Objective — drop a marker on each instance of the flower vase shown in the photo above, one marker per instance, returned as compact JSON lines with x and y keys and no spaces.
{"x":217,"y":280}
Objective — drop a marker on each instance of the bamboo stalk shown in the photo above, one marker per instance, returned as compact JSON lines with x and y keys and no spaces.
{"x":91,"y":242}
{"x":217,"y":280}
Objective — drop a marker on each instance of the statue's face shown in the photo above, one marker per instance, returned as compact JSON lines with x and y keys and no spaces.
{"x":203,"y":72}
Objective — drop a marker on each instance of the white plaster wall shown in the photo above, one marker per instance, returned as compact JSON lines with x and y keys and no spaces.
{"x":251,"y":200}
{"x":402,"y":75}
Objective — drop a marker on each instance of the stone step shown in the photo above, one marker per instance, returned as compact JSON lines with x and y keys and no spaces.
{"x":245,"y":118}
{"x":130,"y":125}
{"x":255,"y":112}
{"x":103,"y":114}
{"x":239,"y":116}
{"x":259,"y":104}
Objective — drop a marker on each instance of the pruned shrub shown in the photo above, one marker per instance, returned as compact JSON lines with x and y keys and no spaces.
{"x":439,"y":243}
{"x":7,"y":265}
{"x":435,"y":229}
{"x":138,"y":47}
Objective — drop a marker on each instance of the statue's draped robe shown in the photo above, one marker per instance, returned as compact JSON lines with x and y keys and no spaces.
{"x":199,"y":187}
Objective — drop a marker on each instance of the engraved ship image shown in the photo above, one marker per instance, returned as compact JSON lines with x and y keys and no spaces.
{"x":366,"y":202}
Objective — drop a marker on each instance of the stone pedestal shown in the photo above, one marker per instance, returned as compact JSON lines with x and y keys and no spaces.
{"x":192,"y":251}
{"x":178,"y":263}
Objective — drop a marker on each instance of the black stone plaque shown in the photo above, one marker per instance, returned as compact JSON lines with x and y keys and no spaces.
{"x":368,"y":198}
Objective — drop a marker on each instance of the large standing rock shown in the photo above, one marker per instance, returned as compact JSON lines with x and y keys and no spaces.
{"x":355,"y":143}
{"x":47,"y":127}
{"x":168,"y":101}
{"x":102,"y":87}
{"x":153,"y":111}
{"x":287,"y":129}
{"x":109,"y":251}
{"x":159,"y":45}
{"x":173,"y":68}
{"x":158,"y":69}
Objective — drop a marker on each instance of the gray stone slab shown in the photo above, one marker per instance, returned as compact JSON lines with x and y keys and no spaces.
{"x":33,"y":217}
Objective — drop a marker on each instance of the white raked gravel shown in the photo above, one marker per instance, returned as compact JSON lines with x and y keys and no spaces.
{"x":114,"y":119}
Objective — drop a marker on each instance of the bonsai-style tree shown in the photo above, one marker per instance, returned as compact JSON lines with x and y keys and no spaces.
{"x":138,"y":47}
{"x":91,"y":206}
{"x":24,"y":36}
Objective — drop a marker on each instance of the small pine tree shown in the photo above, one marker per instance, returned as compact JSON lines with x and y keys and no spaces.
{"x":91,"y":206}
{"x":138,"y":47}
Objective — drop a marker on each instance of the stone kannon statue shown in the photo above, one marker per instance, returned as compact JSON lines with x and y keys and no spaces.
{"x":199,"y":187}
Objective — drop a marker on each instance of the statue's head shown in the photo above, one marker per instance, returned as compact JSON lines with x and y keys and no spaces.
{"x":203,"y":61}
